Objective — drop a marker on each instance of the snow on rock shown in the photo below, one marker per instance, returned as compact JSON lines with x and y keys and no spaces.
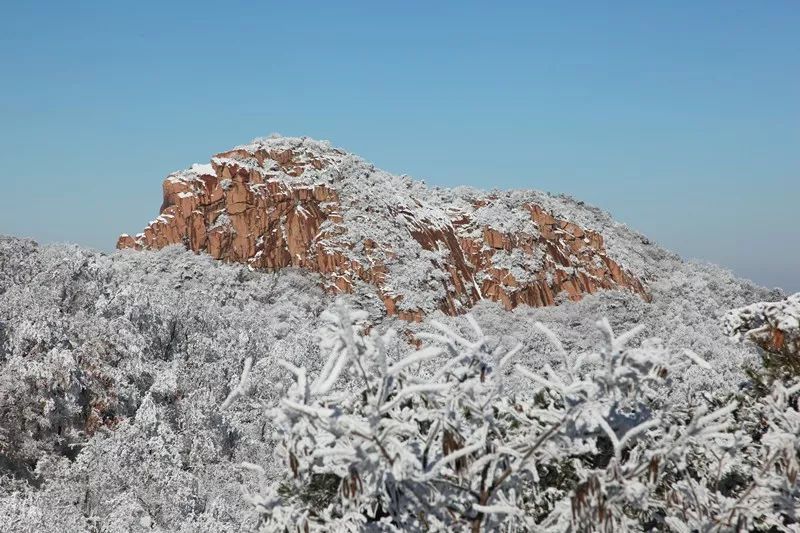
{"x":775,"y":326}
{"x":280,"y":202}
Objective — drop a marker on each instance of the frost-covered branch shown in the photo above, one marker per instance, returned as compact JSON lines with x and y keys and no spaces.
{"x":434,"y":441}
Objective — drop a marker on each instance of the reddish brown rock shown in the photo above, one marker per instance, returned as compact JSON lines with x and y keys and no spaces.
{"x":286,"y":202}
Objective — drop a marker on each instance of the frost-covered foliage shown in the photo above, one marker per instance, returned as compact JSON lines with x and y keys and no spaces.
{"x":758,"y":317}
{"x":689,"y":302}
{"x":114,"y":369}
{"x":775,"y":326}
{"x":435,"y":440}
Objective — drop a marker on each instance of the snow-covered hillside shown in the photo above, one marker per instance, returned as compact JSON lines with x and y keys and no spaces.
{"x":114,"y":368}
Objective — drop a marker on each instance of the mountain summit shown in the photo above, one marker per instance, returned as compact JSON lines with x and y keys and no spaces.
{"x":280,"y":202}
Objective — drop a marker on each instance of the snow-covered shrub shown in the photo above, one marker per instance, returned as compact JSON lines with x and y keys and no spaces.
{"x":774,"y":326}
{"x":764,"y":318}
{"x":434,"y":440}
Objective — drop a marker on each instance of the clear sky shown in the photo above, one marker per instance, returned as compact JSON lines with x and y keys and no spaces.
{"x":681,"y":118}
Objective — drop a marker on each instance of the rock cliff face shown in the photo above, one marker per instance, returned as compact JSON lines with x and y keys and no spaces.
{"x":282,"y":202}
{"x":774,"y":326}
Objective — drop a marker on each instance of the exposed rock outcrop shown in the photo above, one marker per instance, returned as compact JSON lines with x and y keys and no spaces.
{"x":282,"y":202}
{"x":774,"y":326}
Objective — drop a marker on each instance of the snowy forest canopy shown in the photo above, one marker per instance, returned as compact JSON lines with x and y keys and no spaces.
{"x":123,"y":406}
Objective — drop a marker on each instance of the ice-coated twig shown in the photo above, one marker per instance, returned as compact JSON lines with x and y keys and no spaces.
{"x":419,"y":356}
{"x":241,"y":388}
{"x":699,"y":361}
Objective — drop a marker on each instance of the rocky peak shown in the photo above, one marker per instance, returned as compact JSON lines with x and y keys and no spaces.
{"x":281,"y":202}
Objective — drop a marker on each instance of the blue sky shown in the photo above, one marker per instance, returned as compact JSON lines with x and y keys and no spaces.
{"x":682,"y":119}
